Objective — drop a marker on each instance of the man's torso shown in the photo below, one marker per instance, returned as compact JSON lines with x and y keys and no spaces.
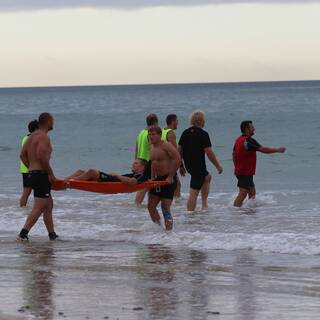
{"x":161,"y":162}
{"x":245,"y":148}
{"x":35,"y":141}
{"x":193,"y":142}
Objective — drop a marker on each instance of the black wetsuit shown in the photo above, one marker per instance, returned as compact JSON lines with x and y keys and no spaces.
{"x":193,"y":141}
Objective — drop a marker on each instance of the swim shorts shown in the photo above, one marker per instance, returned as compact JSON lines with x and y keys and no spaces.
{"x":165,"y":192}
{"x":197,"y":180}
{"x":25,"y":180}
{"x":245,"y":182}
{"x":39,"y":182}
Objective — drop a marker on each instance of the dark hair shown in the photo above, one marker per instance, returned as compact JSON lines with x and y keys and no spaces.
{"x":44,"y":118}
{"x":143,"y":162}
{"x":33,"y":125}
{"x":171,"y":117}
{"x":244,"y":125}
{"x":155,"y":129}
{"x":151,"y":119}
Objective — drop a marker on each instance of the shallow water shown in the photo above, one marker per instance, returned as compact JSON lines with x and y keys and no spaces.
{"x":258,"y":262}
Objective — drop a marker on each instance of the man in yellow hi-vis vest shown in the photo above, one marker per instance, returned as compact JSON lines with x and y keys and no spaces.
{"x":168,"y":135}
{"x":32,"y":126}
{"x":142,"y":151}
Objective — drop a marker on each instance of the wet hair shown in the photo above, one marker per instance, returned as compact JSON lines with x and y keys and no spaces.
{"x":44,"y":118}
{"x":170,"y":118}
{"x":155,"y":129}
{"x":152,"y":119}
{"x":197,"y":118}
{"x":33,"y":125}
{"x":244,"y":125}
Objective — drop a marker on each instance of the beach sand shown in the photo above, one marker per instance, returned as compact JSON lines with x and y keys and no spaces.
{"x":117,"y":280}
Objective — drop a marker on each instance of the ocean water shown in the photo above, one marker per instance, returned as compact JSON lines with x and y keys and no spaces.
{"x":95,"y":127}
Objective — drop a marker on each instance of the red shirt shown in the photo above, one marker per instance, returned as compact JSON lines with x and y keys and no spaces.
{"x":245,"y":149}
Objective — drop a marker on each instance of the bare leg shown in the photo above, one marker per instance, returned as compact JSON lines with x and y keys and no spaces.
{"x":192,"y":200}
{"x":240,"y":197}
{"x":75,"y":174}
{"x":140,"y":197}
{"x":47,"y":216}
{"x":205,"y":189}
{"x":252,"y":193}
{"x":90,"y":175}
{"x":24,"y":197}
{"x":177,"y":192}
{"x":165,"y":206}
{"x":39,"y":206}
{"x":153,"y":201}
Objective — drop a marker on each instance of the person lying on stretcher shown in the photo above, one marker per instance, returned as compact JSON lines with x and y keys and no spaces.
{"x":137,"y":176}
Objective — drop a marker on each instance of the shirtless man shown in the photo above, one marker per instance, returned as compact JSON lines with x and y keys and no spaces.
{"x":165,"y":161}
{"x":136,"y":176}
{"x":36,"y":154}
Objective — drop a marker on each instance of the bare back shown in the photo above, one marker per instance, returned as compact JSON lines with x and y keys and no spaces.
{"x":38,"y":151}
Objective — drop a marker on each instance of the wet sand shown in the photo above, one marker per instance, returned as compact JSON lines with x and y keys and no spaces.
{"x":118,"y":280}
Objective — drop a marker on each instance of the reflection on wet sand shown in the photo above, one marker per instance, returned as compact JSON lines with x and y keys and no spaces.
{"x":37,"y":287}
{"x":157,"y":265}
{"x":243,"y":265}
{"x":199,"y":295}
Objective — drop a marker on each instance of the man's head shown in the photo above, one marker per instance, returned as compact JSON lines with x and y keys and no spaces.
{"x":247,"y":128}
{"x":154,"y":134}
{"x":197,"y":119}
{"x":172,"y":121}
{"x":139,"y":165}
{"x":152,"y":119}
{"x":46,"y":121}
{"x":33,"y":125}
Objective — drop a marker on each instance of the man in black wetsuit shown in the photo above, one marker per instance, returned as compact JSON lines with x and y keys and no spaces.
{"x":194,"y":144}
{"x":137,"y":175}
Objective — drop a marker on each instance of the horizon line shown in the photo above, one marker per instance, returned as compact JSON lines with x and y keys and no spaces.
{"x":153,"y":84}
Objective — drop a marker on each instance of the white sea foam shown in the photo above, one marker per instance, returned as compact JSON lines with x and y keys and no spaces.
{"x":270,"y":227}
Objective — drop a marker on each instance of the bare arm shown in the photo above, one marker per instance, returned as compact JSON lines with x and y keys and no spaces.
{"x":24,"y":155}
{"x":271,"y":150}
{"x":171,"y":137}
{"x":175,"y":158}
{"x":182,"y":168}
{"x":212,"y":157}
{"x":136,"y":151}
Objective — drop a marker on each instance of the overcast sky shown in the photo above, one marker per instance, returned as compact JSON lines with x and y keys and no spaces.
{"x":78,"y":42}
{"x":122,"y":4}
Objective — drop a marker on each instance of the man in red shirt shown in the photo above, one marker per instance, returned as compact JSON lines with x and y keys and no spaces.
{"x":245,"y":158}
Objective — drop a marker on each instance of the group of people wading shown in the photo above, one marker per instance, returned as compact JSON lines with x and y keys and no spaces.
{"x":157,"y":157}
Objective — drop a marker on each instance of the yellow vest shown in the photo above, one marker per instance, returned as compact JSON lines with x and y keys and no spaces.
{"x":23,"y":168}
{"x":164,"y":134}
{"x":143,"y":145}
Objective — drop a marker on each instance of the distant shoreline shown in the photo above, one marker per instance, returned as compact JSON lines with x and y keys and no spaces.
{"x":259,"y":82}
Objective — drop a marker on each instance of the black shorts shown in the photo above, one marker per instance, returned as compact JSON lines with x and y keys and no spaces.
{"x":197,"y":180}
{"x":165,"y":192}
{"x":245,"y":182}
{"x":104,"y":177}
{"x":39,"y":182}
{"x":26,"y":180}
